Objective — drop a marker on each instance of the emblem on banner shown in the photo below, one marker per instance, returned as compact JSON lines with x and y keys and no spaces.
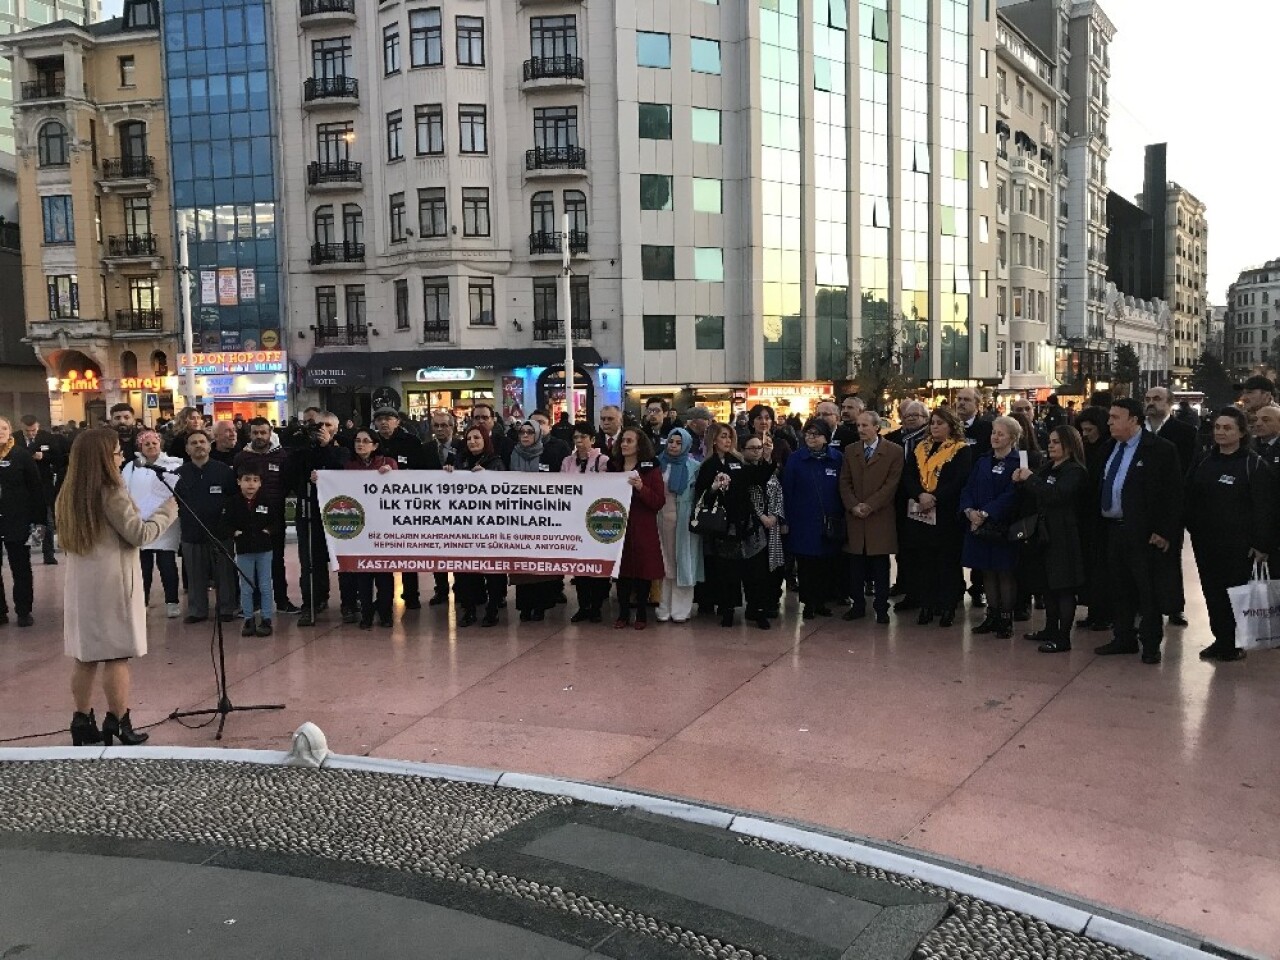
{"x":607,"y":520}
{"x":343,"y":518}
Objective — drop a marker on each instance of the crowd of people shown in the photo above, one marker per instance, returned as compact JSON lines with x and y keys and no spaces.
{"x":1082,"y":514}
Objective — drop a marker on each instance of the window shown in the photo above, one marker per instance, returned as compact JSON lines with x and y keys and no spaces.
{"x":1017,"y":357}
{"x":137,"y":216}
{"x":706,"y":195}
{"x":475,"y":211}
{"x":706,"y":125}
{"x":984,"y":174}
{"x":575,"y":208}
{"x":352,"y":223}
{"x":659,"y":331}
{"x":58,"y":224}
{"x":480,"y":301}
{"x":470,"y":41}
{"x":708,"y":263}
{"x":655,"y":191}
{"x":657,"y":263}
{"x":704,"y":55}
{"x":555,"y":128}
{"x":433,"y":214}
{"x":551,"y":37}
{"x":546,"y":313}
{"x":435,"y":308}
{"x":402,"y":304}
{"x":655,"y":121}
{"x":396,"y":217}
{"x":391,"y":49}
{"x":395,"y":125}
{"x":653,"y":50}
{"x":324,"y":224}
{"x":428,"y":121}
{"x":471,"y":126}
{"x":542,"y":213}
{"x":984,"y":62}
{"x":333,"y":142}
{"x":426,"y":44}
{"x":64,"y":297}
{"x":355,"y":307}
{"x":128,"y":67}
{"x":326,"y":307}
{"x":708,"y":333}
{"x":984,"y":230}
{"x":51,"y":144}
{"x":331,"y":58}
{"x":140,"y":14}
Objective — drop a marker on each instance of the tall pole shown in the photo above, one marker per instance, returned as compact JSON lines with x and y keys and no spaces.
{"x":188,"y":337}
{"x":567,"y":307}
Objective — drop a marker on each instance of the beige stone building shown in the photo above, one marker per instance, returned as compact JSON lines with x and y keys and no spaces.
{"x":94,"y":212}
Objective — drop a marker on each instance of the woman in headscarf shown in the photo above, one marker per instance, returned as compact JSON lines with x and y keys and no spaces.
{"x":535,"y":594}
{"x":641,"y":549}
{"x":681,"y":549}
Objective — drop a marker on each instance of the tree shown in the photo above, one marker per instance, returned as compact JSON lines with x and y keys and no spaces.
{"x":1128,"y":370}
{"x":1209,"y":377}
{"x":882,"y":360}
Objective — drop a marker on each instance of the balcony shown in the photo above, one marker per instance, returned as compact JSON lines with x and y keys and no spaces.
{"x":556,"y":161}
{"x":550,"y":73}
{"x":140,"y":321}
{"x":542,"y":242}
{"x":46,"y":88}
{"x":315,"y":13}
{"x":128,"y":174}
{"x":550,"y":330}
{"x":333,"y":175}
{"x":435,"y":333}
{"x":10,"y":238}
{"x":135,"y":248}
{"x":335,"y":336}
{"x":318,"y":92}
{"x":337,"y":255}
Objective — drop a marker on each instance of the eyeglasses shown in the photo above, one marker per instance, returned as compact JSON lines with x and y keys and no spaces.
{"x":813,"y":433}
{"x":528,"y":433}
{"x":753,"y":446}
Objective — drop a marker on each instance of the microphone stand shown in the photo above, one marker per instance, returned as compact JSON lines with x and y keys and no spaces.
{"x":225,"y":706}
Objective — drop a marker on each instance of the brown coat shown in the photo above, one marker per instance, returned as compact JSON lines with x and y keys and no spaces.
{"x":873,"y":482}
{"x":103,"y":616}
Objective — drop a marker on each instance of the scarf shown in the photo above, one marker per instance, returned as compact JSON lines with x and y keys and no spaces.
{"x":678,"y":479}
{"x":525,"y":459}
{"x":930,"y":464}
{"x":4,"y":450}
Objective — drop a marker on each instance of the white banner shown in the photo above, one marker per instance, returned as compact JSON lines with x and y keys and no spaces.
{"x":476,"y":522}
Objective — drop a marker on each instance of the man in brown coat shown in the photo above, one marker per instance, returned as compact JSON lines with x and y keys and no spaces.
{"x":868,"y":481}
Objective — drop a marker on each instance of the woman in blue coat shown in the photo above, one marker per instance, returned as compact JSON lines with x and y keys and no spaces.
{"x":988,"y":503}
{"x":811,"y":492}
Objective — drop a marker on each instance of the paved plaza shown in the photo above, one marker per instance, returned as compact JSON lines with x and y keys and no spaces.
{"x":1150,"y":790}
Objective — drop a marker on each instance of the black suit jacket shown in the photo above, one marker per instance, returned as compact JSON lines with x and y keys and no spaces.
{"x":1151,"y":499}
{"x":52,"y":463}
{"x":979,"y":436}
{"x":602,"y":441}
{"x":1269,"y":452}
{"x":1183,"y":438}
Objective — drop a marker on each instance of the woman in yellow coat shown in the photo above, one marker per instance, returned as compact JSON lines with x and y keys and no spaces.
{"x":104,"y":619}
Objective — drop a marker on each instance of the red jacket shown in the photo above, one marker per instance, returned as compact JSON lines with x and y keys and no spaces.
{"x":642,"y":550}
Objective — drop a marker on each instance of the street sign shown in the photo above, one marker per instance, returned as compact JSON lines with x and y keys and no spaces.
{"x":153,"y":401}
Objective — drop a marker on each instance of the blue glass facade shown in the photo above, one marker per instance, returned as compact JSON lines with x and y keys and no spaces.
{"x":219,"y":80}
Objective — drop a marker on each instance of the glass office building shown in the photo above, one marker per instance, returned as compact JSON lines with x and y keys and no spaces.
{"x":219,"y":80}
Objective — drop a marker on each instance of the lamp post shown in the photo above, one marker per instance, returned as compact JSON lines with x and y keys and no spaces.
{"x":188,"y":336}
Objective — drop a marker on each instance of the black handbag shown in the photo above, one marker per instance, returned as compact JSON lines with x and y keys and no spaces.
{"x":1029,"y":531}
{"x":709,"y":521}
{"x":991,"y":530}
{"x":833,"y":530}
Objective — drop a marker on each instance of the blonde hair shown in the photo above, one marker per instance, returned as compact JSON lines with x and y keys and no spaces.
{"x":91,"y":470}
{"x":1011,"y":427}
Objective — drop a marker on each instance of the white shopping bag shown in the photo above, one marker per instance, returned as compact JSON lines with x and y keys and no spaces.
{"x":1256,"y":605}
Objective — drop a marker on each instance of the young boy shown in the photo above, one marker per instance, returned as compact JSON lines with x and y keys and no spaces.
{"x":253,"y":521}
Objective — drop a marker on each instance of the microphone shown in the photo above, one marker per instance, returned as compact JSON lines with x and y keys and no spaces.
{"x":140,"y":462}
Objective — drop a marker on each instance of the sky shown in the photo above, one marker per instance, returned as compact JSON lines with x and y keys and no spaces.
{"x":1193,"y":74}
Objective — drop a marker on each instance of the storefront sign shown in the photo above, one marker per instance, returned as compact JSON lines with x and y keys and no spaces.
{"x":77,"y":382}
{"x":419,"y":520}
{"x":144,"y":383}
{"x":270,"y":339}
{"x":440,"y":374}
{"x":230,"y":361}
{"x":759,"y":392}
{"x":248,"y":283}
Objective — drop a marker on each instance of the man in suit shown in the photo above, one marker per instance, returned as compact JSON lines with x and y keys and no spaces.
{"x":977,"y":434}
{"x":1266,"y":434}
{"x":51,"y":460}
{"x":1161,"y":421}
{"x":846,"y":432}
{"x":1141,"y":503}
{"x":442,"y":450}
{"x":915,"y":427}
{"x":869,"y":479}
{"x":610,"y":428}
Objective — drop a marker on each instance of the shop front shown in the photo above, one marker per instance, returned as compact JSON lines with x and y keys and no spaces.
{"x":447,"y":388}
{"x":150,"y":397}
{"x":78,"y":394}
{"x":233,"y":384}
{"x":790,"y":399}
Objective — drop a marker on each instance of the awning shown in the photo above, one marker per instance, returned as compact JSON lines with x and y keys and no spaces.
{"x":348,"y":369}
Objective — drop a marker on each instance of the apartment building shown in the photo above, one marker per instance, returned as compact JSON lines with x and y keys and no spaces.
{"x":1252,"y":321}
{"x":91,"y":146}
{"x":1184,"y":245}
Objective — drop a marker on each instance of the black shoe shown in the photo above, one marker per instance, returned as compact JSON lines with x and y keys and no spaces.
{"x":1113,"y":649}
{"x":288,"y":607}
{"x":988,"y":625}
{"x":306,"y":620}
{"x":121,"y":729}
{"x":226,"y":617}
{"x":1038,"y":603}
{"x":50,"y":561}
{"x":490,"y":618}
{"x":977,"y":599}
{"x":526,"y":615}
{"x":706,"y":610}
{"x":384,"y":621}
{"x":84,"y":729}
{"x":437,"y":599}
{"x":537,"y":615}
{"x":250,"y":628}
{"x":824,"y":611}
{"x":896,"y":590}
{"x":467,"y":619}
{"x":726,"y":618}
{"x":1101,"y":626}
{"x":925,"y":617}
{"x":1231,"y":655}
{"x":1151,"y":656}
{"x":853,"y":613}
{"x":1086,"y":623}
{"x":597,"y":616}
{"x":808,"y":613}
{"x":265,"y":629}
{"x":1177,"y":620}
{"x":1056,"y":645}
{"x":189,"y":618}
{"x":1021,"y":614}
{"x":1040,"y":636}
{"x":561,"y":598}
{"x":947,"y":619}
{"x":1004,"y":628}
{"x":414,"y":604}
{"x":902,"y":606}
{"x":762,"y":622}
{"x":350,"y":615}
{"x":581,"y":616}
{"x":24,"y":620}
{"x":366,"y":624}
{"x":1211,"y":652}
{"x":882,"y":618}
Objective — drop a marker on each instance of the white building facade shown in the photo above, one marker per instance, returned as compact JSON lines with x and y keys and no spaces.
{"x":1144,"y":325}
{"x":1252,"y":316}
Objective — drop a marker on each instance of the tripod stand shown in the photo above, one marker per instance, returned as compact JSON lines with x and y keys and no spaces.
{"x":225,"y":706}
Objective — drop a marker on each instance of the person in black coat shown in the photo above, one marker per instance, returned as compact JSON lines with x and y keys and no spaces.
{"x":1056,"y":491}
{"x":22,"y":506}
{"x":50,"y":455}
{"x":1140,"y":500}
{"x":313,"y":549}
{"x":1230,"y":515}
{"x":405,"y":449}
{"x":934,"y":480}
{"x":444,"y":449}
{"x":1266,"y":435}
{"x":1162,"y":422}
{"x":475,"y":589}
{"x":1091,"y":422}
{"x":205,"y":488}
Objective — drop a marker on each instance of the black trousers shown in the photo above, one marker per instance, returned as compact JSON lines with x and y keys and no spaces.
{"x":634,"y":591}
{"x":279,"y":581}
{"x":349,"y":591}
{"x":537,"y":596}
{"x":166,"y":561}
{"x":409,"y":588}
{"x":876,"y":569}
{"x":46,"y":545}
{"x":20,"y":568}
{"x":819,"y":580}
{"x":372,"y":603}
{"x":1137,"y":570}
{"x":1216,"y":575}
{"x":313,"y":557}
{"x":937,"y":566}
{"x":481,"y":589}
{"x":442,"y":584}
{"x":592,"y":592}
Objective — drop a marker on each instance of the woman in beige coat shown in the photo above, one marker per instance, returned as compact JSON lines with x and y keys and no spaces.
{"x":104,"y":620}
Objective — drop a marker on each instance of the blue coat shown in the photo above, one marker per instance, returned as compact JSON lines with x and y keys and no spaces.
{"x":990,"y":488}
{"x":810,"y":489}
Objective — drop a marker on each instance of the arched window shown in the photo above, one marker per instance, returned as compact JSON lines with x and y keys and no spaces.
{"x":575,"y":205}
{"x":128,"y":364}
{"x":160,"y":363}
{"x":542,"y":213}
{"x":52,"y":144}
{"x":324,"y":224}
{"x":352,"y":223}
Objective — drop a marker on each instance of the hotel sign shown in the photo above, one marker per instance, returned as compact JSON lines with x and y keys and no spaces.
{"x":232,"y":361}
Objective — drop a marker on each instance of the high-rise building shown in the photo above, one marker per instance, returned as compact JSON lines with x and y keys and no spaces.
{"x":1252,"y":314}
{"x":94,"y":211}
{"x":19,"y":15}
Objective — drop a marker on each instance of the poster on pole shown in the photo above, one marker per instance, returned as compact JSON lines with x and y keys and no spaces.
{"x":208,"y":287}
{"x":412,"y":521}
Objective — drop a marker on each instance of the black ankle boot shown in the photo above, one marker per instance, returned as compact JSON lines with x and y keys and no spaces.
{"x":1004,"y":626}
{"x":990,"y":624}
{"x":121,"y":729}
{"x":84,"y":729}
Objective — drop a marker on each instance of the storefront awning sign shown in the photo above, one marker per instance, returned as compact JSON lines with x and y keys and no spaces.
{"x":810,"y":390}
{"x":440,"y":374}
{"x":231,"y":361}
{"x":76,"y":382}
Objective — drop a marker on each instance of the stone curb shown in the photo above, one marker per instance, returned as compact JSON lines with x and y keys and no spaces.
{"x":1147,"y":938}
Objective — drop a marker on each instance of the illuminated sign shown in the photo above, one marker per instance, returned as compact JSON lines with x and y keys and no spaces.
{"x":144,"y":383}
{"x":230,"y":362}
{"x":436,"y":374}
{"x":77,"y":382}
{"x":764,"y":391}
